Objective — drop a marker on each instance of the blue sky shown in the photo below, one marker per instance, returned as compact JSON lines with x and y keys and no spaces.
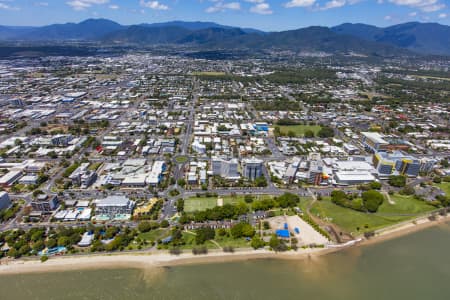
{"x":270,"y":15}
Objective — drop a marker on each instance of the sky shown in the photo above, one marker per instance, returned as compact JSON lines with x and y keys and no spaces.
{"x":268,"y":15}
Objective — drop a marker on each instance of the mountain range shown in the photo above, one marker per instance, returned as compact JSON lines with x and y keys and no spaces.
{"x":407,"y":38}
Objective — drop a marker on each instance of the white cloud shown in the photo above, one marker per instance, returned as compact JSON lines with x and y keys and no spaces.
{"x":299,"y":3}
{"x":412,"y":14}
{"x":221,"y":6}
{"x":442,"y":16}
{"x":156,"y":5}
{"x":261,"y":8}
{"x":334,"y":4}
{"x":6,"y":6}
{"x":433,"y":8}
{"x":423,"y":5}
{"x":388,"y":18}
{"x":114,"y":6}
{"x":83,"y":4}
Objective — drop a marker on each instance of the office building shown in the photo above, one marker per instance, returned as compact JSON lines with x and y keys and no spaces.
{"x":252,"y":168}
{"x":225,"y":168}
{"x":5,"y":201}
{"x":112,"y":206}
{"x":397,"y":162}
{"x":45,"y":203}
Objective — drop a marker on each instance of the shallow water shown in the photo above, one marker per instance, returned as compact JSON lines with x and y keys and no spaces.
{"x":416,"y":266}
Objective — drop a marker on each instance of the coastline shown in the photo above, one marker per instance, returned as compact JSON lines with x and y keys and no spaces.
{"x":146,"y":260}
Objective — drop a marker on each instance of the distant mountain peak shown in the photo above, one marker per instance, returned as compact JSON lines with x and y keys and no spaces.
{"x":426,"y":38}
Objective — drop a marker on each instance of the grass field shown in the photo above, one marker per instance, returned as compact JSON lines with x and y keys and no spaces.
{"x":406,"y":207}
{"x":189,"y":239}
{"x":202,"y":203}
{"x":225,"y":241}
{"x":220,"y":242}
{"x":154,"y":235}
{"x":445,"y":186}
{"x":299,"y":130}
{"x":181,"y":159}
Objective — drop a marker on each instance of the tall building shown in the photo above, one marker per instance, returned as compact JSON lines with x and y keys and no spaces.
{"x":397,"y":162}
{"x":5,"y":202}
{"x":252,"y":168}
{"x":82,"y":176}
{"x":315,"y":173}
{"x":112,"y":206}
{"x":376,"y":142}
{"x":45,"y":203}
{"x":373,"y":141}
{"x":61,"y":140}
{"x":427,"y":164}
{"x":225,"y":168}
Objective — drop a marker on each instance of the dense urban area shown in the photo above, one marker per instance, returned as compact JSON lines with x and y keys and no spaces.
{"x":138,"y":151}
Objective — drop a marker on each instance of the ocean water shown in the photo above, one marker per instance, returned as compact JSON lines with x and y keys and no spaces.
{"x":412,"y":267}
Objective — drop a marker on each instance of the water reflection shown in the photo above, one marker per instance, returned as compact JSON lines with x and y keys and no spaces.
{"x":412,"y":267}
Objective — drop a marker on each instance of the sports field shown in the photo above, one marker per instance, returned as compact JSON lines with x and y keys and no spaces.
{"x":299,"y":130}
{"x":202,"y":203}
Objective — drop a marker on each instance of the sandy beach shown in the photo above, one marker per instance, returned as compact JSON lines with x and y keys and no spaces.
{"x":162,"y":259}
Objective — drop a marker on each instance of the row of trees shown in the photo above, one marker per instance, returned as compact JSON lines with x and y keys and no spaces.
{"x":370,"y":200}
{"x":284,"y":201}
{"x":30,"y":242}
{"x":232,"y":212}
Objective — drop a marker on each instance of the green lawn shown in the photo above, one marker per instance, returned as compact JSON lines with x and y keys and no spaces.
{"x":406,"y":207}
{"x":189,"y":239}
{"x":229,"y":241}
{"x":299,"y":130}
{"x":444,"y":186}
{"x":154,"y":235}
{"x":181,"y":159}
{"x":202,"y":203}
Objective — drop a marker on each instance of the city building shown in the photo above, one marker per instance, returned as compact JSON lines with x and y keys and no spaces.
{"x":112,"y":206}
{"x":10,"y":178}
{"x":353,"y":177}
{"x":397,"y":162}
{"x":252,"y":168}
{"x":61,"y":140}
{"x":374,"y":142}
{"x":45,"y":203}
{"x":5,"y":201}
{"x":82,"y":176}
{"x":316,"y":173}
{"x":29,"y":179}
{"x":199,"y":148}
{"x":225,"y":168}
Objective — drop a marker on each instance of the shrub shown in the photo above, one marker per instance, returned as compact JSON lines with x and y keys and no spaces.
{"x":397,"y":180}
{"x":228,"y":249}
{"x":242,"y":230}
{"x":175,"y":251}
{"x":199,"y":250}
{"x":257,"y":243}
{"x":204,"y":234}
{"x":372,"y":200}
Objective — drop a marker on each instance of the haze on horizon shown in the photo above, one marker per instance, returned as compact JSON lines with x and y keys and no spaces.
{"x":268,"y":15}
